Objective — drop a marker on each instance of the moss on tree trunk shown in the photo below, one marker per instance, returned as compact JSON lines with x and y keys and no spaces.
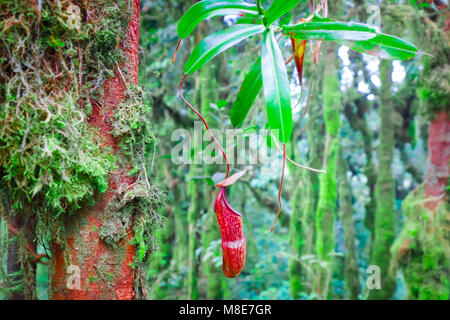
{"x":296,"y":241}
{"x":326,"y":207}
{"x":193,"y":192}
{"x":348,"y":224}
{"x":105,"y":270}
{"x":422,"y":249}
{"x":384,"y":227}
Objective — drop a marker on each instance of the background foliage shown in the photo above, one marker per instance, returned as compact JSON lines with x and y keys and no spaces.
{"x":367,"y":94}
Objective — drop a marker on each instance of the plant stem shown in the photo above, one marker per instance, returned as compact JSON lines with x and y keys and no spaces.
{"x":258,"y":3}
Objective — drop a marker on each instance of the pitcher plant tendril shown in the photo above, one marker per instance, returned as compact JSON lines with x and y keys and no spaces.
{"x":204,"y":122}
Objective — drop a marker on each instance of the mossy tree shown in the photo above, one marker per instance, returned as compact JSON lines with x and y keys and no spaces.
{"x":351,"y":274}
{"x":422,"y":249}
{"x":306,"y":191}
{"x":76,"y":140}
{"x":194,"y":194}
{"x":296,"y":242}
{"x":384,"y":222}
{"x":326,"y":206}
{"x":296,"y":238}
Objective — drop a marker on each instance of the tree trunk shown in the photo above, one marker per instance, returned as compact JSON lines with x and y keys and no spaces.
{"x":193,"y":191}
{"x":437,"y":174}
{"x":326,"y":207}
{"x":105,"y":271}
{"x":422,"y":248}
{"x":348,"y":225}
{"x":384,"y":189}
{"x":296,"y":242}
{"x":311,"y":186}
{"x":19,"y":261}
{"x":13,"y":265}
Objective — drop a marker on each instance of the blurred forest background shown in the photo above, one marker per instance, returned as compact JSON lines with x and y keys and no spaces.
{"x":370,"y":208}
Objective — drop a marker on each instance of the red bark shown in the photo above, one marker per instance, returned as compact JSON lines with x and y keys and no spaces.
{"x":105,"y":271}
{"x":438,"y":159}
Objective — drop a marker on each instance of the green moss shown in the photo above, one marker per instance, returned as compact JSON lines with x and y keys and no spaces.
{"x":137,"y":207}
{"x":48,"y":152}
{"x":348,"y":225}
{"x":434,"y":87}
{"x":296,"y":241}
{"x":422,"y":249}
{"x":193,"y":212}
{"x":384,"y":222}
{"x":132,"y":126}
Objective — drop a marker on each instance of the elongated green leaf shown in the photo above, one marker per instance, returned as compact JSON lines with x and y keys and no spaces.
{"x":276,"y":88}
{"x":384,"y":46}
{"x":247,"y":94}
{"x":330,"y":30}
{"x":218,"y":42}
{"x":212,"y":8}
{"x":280,"y":8}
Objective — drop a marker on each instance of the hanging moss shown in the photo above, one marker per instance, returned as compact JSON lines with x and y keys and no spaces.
{"x":422,"y":249}
{"x":49,"y":63}
{"x":138,"y":207}
{"x":133,"y":127}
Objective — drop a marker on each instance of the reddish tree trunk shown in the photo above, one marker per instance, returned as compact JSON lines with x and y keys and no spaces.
{"x":438,"y":159}
{"x":105,"y":270}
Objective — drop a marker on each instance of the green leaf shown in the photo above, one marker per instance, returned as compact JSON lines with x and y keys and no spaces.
{"x":221,"y":103}
{"x":325,"y":29}
{"x":384,"y":46}
{"x":218,"y":42}
{"x":247,"y":94}
{"x":276,"y":88}
{"x":212,"y":8}
{"x":280,"y":8}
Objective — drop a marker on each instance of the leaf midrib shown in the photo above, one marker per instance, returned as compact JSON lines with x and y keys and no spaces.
{"x":277,"y":83}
